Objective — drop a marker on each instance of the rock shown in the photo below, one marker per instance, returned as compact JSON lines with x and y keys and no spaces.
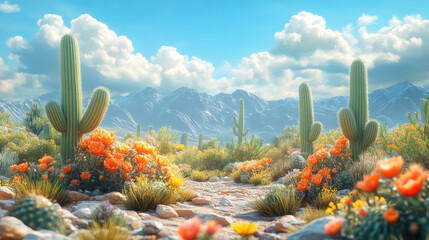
{"x":7,"y":204}
{"x":96,"y":192}
{"x":165,"y":211}
{"x":224,"y":202}
{"x":214,"y":179}
{"x":65,"y":214}
{"x":12,"y":228}
{"x":188,"y":213}
{"x":344,"y":192}
{"x":152,"y":227}
{"x":169,"y":238}
{"x":77,"y":196}
{"x":6,"y":193}
{"x":81,"y":223}
{"x":144,"y":216}
{"x":201,"y":201}
{"x":166,"y":233}
{"x":131,"y":214}
{"x":136,"y":224}
{"x":270,"y":228}
{"x":226,"y":178}
{"x":45,"y":235}
{"x":82,"y":213}
{"x":69,"y":226}
{"x":281,"y":226}
{"x":114,"y":198}
{"x":3,"y":213}
{"x":269,"y":236}
{"x":315,"y":230}
{"x":290,"y":219}
{"x":224,"y":221}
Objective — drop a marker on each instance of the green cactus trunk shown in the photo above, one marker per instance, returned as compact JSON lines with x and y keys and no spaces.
{"x":354,"y":120}
{"x":308,"y":131}
{"x":200,"y":141}
{"x":68,"y":119}
{"x":139,"y":128}
{"x":239,"y":125}
{"x":184,"y":139}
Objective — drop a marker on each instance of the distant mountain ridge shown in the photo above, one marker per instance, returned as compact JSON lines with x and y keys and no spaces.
{"x":187,"y":110}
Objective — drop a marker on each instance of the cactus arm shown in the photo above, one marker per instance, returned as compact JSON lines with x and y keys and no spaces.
{"x":315,"y":131}
{"x":348,"y":124}
{"x":245,"y":132}
{"x":424,"y":110}
{"x":370,"y":134}
{"x":235,"y":131}
{"x":56,"y":116}
{"x":235,"y":121}
{"x":95,"y":112}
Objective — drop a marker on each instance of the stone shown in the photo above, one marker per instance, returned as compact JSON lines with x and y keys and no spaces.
{"x":152,"y":227}
{"x":224,"y":221}
{"x":201,"y":201}
{"x":77,"y":196}
{"x":166,"y":233}
{"x":3,"y":213}
{"x":82,"y":213}
{"x":224,"y":202}
{"x":214,"y":179}
{"x":136,"y":224}
{"x":188,"y":213}
{"x":144,"y":216}
{"x":290,"y":219}
{"x":69,"y":226}
{"x":114,"y":198}
{"x":315,"y":230}
{"x":6,"y":193}
{"x":96,"y":192}
{"x":81,"y":223}
{"x":65,"y":214}
{"x":12,"y":228}
{"x":45,"y":235}
{"x":166,"y":212}
{"x":282,"y":226}
{"x":344,"y":192}
{"x":7,"y":204}
{"x":270,"y":228}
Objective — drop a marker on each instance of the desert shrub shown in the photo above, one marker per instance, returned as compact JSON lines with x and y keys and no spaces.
{"x":7,"y":159}
{"x":278,"y":201}
{"x":145,"y":195}
{"x":212,"y":143}
{"x":310,"y":214}
{"x":105,"y":213}
{"x":6,"y":120}
{"x":236,"y":176}
{"x":190,"y":156}
{"x":166,"y":139}
{"x":363,"y":167}
{"x":109,"y":231}
{"x":260,"y":178}
{"x":290,"y":136}
{"x":279,"y":169}
{"x":185,"y":194}
{"x":325,"y":197}
{"x":249,"y":150}
{"x":34,"y":119}
{"x":248,"y":168}
{"x":212,"y":159}
{"x":328,"y":138}
{"x":185,"y":169}
{"x":202,"y":176}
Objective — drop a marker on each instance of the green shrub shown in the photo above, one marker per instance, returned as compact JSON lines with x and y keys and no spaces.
{"x":202,"y":176}
{"x":236,"y":176}
{"x":212,"y":159}
{"x":363,"y":167}
{"x":105,"y":214}
{"x":260,"y":178}
{"x":212,"y":143}
{"x":53,"y":189}
{"x":7,"y":159}
{"x":34,"y":119}
{"x":6,"y":120}
{"x":278,"y":201}
{"x":185,"y":194}
{"x":190,"y":156}
{"x":328,"y":138}
{"x":109,"y":231}
{"x":279,"y":169}
{"x":166,"y":140}
{"x":290,"y":136}
{"x":325,"y":197}
{"x":252,"y":149}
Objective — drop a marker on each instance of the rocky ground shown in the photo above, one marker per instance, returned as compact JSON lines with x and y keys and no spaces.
{"x":219,"y":199}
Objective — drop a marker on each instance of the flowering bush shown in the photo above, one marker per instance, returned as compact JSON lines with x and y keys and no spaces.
{"x":252,"y":149}
{"x":192,"y":229}
{"x":103,"y":163}
{"x":402,"y":212}
{"x":248,"y":168}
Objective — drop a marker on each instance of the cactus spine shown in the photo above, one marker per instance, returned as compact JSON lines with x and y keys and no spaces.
{"x":308,"y":130}
{"x":200,"y":141}
{"x":68,"y":119}
{"x":139,"y":129}
{"x":239,"y":125}
{"x":46,"y":133}
{"x":184,"y":139}
{"x":354,"y":120}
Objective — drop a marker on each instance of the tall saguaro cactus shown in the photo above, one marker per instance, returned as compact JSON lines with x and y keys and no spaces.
{"x":354,"y":120}
{"x":67,"y":118}
{"x":425,"y":115}
{"x":139,"y":130}
{"x":239,"y":125}
{"x":308,"y":130}
{"x":200,"y":142}
{"x":184,"y":139}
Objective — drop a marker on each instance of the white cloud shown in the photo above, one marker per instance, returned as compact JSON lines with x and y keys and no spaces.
{"x":366,"y":19}
{"x":9,"y":8}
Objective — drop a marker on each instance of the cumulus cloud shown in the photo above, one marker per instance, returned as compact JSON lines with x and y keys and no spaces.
{"x":366,"y":19}
{"x":9,"y":8}
{"x":305,"y":50}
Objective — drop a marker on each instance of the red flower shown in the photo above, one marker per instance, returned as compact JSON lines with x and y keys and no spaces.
{"x":45,"y":159}
{"x":127,"y":167}
{"x":362,"y":212}
{"x":411,"y":182}
{"x":317,"y":179}
{"x":23,"y":167}
{"x":303,"y":185}
{"x":390,"y":168}
{"x":75,"y":182}
{"x":212,"y":227}
{"x":67,"y":169}
{"x":96,"y":148}
{"x":369,"y":183}
{"x":43,"y":167}
{"x":190,"y":229}
{"x":85,"y":175}
{"x":334,"y":227}
{"x":391,"y":215}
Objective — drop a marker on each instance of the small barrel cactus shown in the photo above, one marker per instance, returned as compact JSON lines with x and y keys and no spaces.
{"x":298,"y":162}
{"x":38,"y":213}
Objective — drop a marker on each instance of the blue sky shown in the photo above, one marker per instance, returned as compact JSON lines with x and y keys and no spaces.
{"x":214,"y":46}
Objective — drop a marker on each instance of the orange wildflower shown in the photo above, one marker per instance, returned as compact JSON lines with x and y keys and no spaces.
{"x":112,"y":164}
{"x":317,"y":179}
{"x":51,"y":169}
{"x":84,"y":143}
{"x":313,"y":159}
{"x":45,"y":159}
{"x":96,"y":148}
{"x":334,"y":227}
{"x":249,"y":168}
{"x":347,"y":200}
{"x":319,"y":147}
{"x":391,"y":215}
{"x":190,"y":229}
{"x":123,"y":148}
{"x":74,"y":182}
{"x":54,"y":163}
{"x":43,"y":167}
{"x":13,"y":167}
{"x":141,"y":166}
{"x":7,"y":125}
{"x":212,"y":227}
{"x":369,"y":183}
{"x":325,"y":185}
{"x":270,"y":161}
{"x":67,"y":169}
{"x":108,"y":139}
{"x":23,"y":167}
{"x":306,"y":173}
{"x":61,"y":176}
{"x":85,"y":175}
{"x":322,"y":153}
{"x":127,"y":167}
{"x":152,"y":171}
{"x":161,"y":160}
{"x":17,"y":179}
{"x":44,"y":176}
{"x":303,"y":185}
{"x":127,"y":175}
{"x":390,"y":168}
{"x":347,"y":155}
{"x":334,"y":171}
{"x":118,"y":156}
{"x":362,"y":212}
{"x":411,"y":182}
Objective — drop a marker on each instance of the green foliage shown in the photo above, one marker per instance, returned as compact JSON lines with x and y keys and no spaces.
{"x":166,"y":139}
{"x":325,"y":197}
{"x":238,"y":128}
{"x":309,"y":131}
{"x":105,"y":214}
{"x":109,"y":231}
{"x":34,"y":119}
{"x":200,"y":142}
{"x":38,"y":213}
{"x":363,"y":167}
{"x":236,"y":176}
{"x":53,"y":189}
{"x":189,"y":156}
{"x":278,"y":201}
{"x":212,"y":159}
{"x":7,"y":159}
{"x":290,"y":134}
{"x":279,"y":169}
{"x":27,"y":147}
{"x":184,"y":139}
{"x":260,"y":178}
{"x":46,"y":133}
{"x":252,"y":149}
{"x":71,"y":123}
{"x":146,"y":195}
{"x":202,"y":176}
{"x":6,"y":120}
{"x":328,"y":138}
{"x":310,"y":214}
{"x":186,"y":194}
{"x":212,"y":143}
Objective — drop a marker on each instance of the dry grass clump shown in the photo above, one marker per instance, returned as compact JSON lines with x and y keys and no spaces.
{"x":54,"y":190}
{"x":363,"y":167}
{"x":278,"y":201}
{"x":108,"y":231}
{"x":202,"y":176}
{"x":324,"y":198}
{"x":260,"y":178}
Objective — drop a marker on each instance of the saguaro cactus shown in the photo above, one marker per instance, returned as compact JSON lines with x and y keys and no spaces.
{"x":68,"y":119}
{"x":354,"y":120}
{"x":308,"y":130}
{"x":239,"y":125}
{"x":425,"y":115}
{"x":200,"y":141}
{"x":184,"y":139}
{"x":139,"y":129}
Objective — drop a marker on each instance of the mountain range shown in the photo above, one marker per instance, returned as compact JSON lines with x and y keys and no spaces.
{"x":187,"y":110}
